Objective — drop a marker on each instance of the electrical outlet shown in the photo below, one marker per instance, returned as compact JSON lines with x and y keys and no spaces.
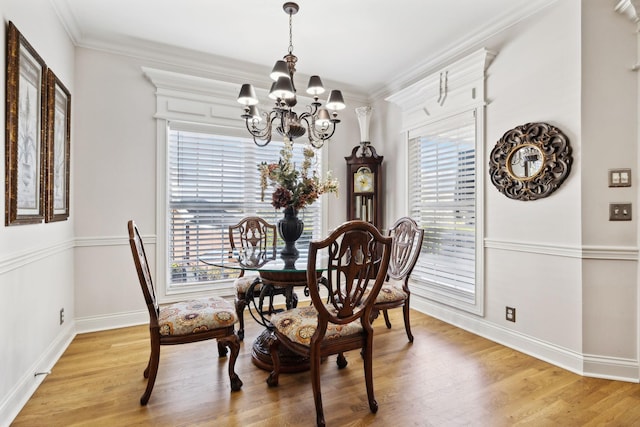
{"x":619,"y":211}
{"x":510,"y":314}
{"x":61,"y":316}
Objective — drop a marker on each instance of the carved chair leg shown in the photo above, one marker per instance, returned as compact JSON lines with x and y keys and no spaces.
{"x":407,"y":323}
{"x":146,"y":371}
{"x":240,"y":304}
{"x":152,"y":370}
{"x":222,"y":349}
{"x":315,"y":381}
{"x":274,"y":347}
{"x":233,"y":342}
{"x":341,"y":361}
{"x":386,"y":319}
{"x":374,"y":314}
{"x":368,"y":373}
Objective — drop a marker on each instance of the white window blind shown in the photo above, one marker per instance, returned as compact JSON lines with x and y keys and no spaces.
{"x":442,"y":188}
{"x":213,"y":182}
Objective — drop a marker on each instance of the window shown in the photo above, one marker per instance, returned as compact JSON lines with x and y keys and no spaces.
{"x":442,"y":188}
{"x":213,"y":182}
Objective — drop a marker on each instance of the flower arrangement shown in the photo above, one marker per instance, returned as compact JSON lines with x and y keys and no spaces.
{"x":295,"y":188}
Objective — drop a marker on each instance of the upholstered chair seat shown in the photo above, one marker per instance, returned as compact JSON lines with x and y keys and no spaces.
{"x":391,"y":291}
{"x":183,"y":322}
{"x":243,"y":283}
{"x":299,"y":325}
{"x":405,"y":250}
{"x":187,"y":317}
{"x":357,"y":258}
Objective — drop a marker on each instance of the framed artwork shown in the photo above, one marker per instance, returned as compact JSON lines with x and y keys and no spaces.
{"x":25,"y":131}
{"x":58,"y":149}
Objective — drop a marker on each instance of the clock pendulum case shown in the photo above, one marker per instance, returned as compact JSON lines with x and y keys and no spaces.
{"x":364,"y":185}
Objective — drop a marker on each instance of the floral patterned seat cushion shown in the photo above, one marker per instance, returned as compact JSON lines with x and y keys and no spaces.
{"x":242,"y":283}
{"x":300,"y":324}
{"x":391,"y":291}
{"x":188,"y":317}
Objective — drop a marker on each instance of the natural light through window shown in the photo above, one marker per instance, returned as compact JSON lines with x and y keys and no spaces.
{"x":213,"y":182}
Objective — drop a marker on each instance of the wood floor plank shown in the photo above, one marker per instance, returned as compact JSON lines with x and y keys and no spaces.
{"x":447,"y":377}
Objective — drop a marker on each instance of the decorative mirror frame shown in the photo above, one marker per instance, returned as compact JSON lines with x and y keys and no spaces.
{"x":550,"y":142}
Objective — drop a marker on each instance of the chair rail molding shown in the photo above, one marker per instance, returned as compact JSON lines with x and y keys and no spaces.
{"x":619,"y":253}
{"x":29,"y":256}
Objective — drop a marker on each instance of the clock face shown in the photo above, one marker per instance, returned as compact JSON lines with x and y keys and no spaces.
{"x":363,"y":181}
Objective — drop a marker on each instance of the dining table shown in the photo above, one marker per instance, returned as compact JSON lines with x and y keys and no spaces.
{"x":276,"y":274}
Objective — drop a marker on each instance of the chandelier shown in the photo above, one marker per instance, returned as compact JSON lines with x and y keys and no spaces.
{"x":317,"y":122}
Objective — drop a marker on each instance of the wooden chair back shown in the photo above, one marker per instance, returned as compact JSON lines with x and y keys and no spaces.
{"x":355,"y":250}
{"x":253,"y":234}
{"x":144,"y":273}
{"x":405,"y":248}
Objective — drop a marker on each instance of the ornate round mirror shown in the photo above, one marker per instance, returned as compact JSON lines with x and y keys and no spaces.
{"x":530,"y":161}
{"x":525,"y":162}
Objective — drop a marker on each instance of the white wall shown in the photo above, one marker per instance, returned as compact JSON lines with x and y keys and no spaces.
{"x":570,"y":273}
{"x":610,"y":140}
{"x":535,"y":77}
{"x":36,"y":261}
{"x":115,"y":180}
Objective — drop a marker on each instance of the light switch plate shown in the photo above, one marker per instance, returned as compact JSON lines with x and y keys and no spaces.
{"x":619,"y":177}
{"x":619,"y":211}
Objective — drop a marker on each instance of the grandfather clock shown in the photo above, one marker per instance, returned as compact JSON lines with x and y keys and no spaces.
{"x":364,"y":177}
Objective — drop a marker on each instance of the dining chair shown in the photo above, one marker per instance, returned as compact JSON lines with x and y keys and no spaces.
{"x":183,"y":322}
{"x":357,"y":256}
{"x":405,"y":250}
{"x":252,"y":235}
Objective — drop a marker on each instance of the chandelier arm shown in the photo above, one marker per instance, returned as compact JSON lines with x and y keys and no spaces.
{"x":263,"y":134}
{"x":317,"y":138}
{"x":313,"y":110}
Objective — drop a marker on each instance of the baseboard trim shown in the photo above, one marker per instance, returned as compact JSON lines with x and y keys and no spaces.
{"x":29,"y":383}
{"x":585,"y":365}
{"x":111,"y":321}
{"x":611,"y":368}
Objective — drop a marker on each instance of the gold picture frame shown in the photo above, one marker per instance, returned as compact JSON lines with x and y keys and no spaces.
{"x":58,"y":149}
{"x":25,"y":131}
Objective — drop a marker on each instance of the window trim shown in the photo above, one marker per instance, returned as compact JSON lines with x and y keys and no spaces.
{"x":455,"y":88}
{"x":443,"y":294}
{"x":187,"y":98}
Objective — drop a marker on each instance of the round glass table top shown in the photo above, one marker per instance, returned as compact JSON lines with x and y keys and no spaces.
{"x":264,"y":261}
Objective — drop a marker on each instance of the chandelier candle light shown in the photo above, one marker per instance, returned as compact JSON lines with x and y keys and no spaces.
{"x":317,"y":122}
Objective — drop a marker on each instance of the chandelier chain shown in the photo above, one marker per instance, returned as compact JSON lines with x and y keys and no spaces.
{"x":291,"y":33}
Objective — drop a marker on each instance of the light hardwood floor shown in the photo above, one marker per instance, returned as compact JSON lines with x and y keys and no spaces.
{"x":447,"y":377}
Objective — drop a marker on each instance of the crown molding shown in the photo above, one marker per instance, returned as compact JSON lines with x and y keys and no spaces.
{"x":458,"y":48}
{"x":68,"y":19}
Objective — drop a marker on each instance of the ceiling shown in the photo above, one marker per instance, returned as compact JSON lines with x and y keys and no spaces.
{"x":361,"y":44}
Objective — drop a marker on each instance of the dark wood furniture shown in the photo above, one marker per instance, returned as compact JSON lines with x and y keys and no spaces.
{"x":183,"y":322}
{"x":279,"y":274}
{"x":364,"y":185}
{"x":405,"y":249}
{"x":255,"y":238}
{"x":354,"y":250}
